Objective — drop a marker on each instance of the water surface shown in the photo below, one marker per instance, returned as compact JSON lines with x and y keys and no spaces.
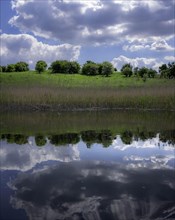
{"x":109,"y":165}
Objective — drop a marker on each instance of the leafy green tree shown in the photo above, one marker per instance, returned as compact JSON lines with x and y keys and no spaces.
{"x":60,"y":66}
{"x":90,"y":69}
{"x":64,"y":139}
{"x":74,"y":67}
{"x":151,"y":73}
{"x":107,"y":68}
{"x":56,"y":66}
{"x":0,"y":69}
{"x":10,"y":68}
{"x":16,"y":138}
{"x":41,"y":66}
{"x":126,"y":65}
{"x":163,"y":70}
{"x":40,"y":140}
{"x":142,"y":72}
{"x":21,"y":66}
{"x":135,"y":71}
{"x":127,"y":71}
{"x":4,"y":69}
{"x":126,"y":137}
{"x":171,"y":70}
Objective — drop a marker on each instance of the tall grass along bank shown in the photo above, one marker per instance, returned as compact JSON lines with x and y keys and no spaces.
{"x":17,"y":94}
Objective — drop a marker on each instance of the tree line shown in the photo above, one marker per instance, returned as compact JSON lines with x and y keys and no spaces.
{"x":91,"y":68}
{"x":91,"y":137}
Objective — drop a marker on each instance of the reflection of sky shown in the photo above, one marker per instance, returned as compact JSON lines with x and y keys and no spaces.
{"x":149,"y":153}
{"x":25,"y":157}
{"x":96,"y":190}
{"x":96,"y":183}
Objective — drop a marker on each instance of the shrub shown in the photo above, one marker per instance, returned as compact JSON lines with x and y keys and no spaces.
{"x":74,"y":67}
{"x":10,"y":68}
{"x":107,"y":68}
{"x":21,"y":66}
{"x":90,"y":69}
{"x":41,"y":66}
{"x":127,"y":71}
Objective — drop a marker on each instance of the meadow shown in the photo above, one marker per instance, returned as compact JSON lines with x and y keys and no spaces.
{"x":33,"y":91}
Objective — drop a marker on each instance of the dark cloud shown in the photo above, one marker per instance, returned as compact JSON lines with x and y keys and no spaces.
{"x":106,"y":191}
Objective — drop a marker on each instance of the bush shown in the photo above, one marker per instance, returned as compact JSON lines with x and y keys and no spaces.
{"x":127,"y":71}
{"x":90,"y":69}
{"x":126,"y":65}
{"x":10,"y":68}
{"x":4,"y":69}
{"x":74,"y":67}
{"x":40,"y":66}
{"x":106,"y":68}
{"x":21,"y":66}
{"x":142,"y":72}
{"x":151,"y":73}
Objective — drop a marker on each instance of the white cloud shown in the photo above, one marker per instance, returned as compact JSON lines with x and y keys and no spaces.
{"x":91,"y":22}
{"x":155,"y":44}
{"x":161,"y":46}
{"x":154,"y":63}
{"x":24,"y":47}
{"x":170,"y":58}
{"x":26,"y":157}
{"x":133,"y":48}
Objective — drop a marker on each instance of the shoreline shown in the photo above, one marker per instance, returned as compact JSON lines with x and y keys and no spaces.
{"x":59,"y":108}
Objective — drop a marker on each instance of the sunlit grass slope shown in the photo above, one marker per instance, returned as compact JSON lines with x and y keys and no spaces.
{"x":32,"y":91}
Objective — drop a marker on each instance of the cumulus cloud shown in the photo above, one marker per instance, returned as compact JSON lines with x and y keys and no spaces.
{"x":64,"y":192}
{"x":97,"y":21}
{"x":24,"y":47}
{"x":133,"y":48}
{"x":25,"y":157}
{"x":170,"y":58}
{"x":159,"y":45}
{"x":154,"y":63}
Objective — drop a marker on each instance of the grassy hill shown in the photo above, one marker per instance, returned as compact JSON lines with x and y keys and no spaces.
{"x":32,"y":91}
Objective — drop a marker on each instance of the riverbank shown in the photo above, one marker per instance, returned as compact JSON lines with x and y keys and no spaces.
{"x":44,"y":92}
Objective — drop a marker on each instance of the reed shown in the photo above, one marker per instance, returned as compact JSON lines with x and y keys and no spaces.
{"x":77,"y":98}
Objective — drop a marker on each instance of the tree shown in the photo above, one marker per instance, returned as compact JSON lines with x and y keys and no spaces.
{"x":10,"y":68}
{"x":142,"y":72}
{"x":40,"y":140}
{"x":126,"y":137}
{"x":60,"y":66}
{"x":21,"y":66}
{"x":90,"y":69}
{"x":126,"y":65}
{"x":163,"y":70}
{"x":135,"y":71}
{"x":41,"y":66}
{"x":171,"y":70}
{"x":151,"y":73}
{"x":127,"y":70}
{"x":0,"y":69}
{"x":4,"y":69}
{"x":107,"y":68}
{"x":74,"y":67}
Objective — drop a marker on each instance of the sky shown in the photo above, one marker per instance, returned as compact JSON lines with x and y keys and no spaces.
{"x":140,"y":32}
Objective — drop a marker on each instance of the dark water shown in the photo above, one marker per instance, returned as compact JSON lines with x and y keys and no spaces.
{"x":91,"y":166}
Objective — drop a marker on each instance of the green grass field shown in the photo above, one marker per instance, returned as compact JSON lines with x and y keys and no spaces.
{"x":31,"y":78}
{"x":29,"y":90}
